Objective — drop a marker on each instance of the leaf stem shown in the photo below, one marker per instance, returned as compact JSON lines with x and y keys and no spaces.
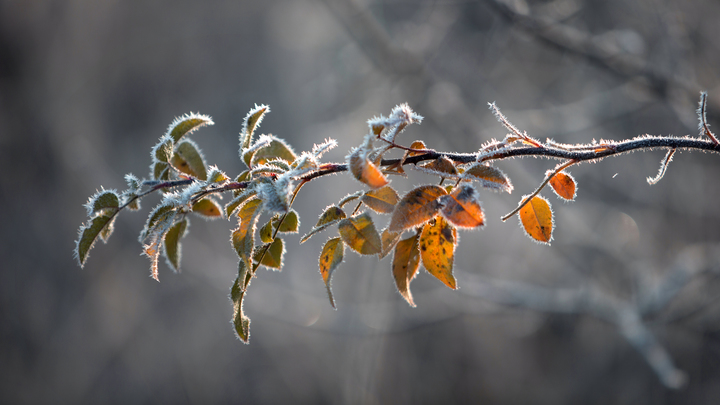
{"x":527,"y":199}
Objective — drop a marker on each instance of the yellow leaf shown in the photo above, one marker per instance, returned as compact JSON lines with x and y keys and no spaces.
{"x":186,"y":124}
{"x":290,"y":224}
{"x":332,"y":215}
{"x":489,"y":177}
{"x":537,"y":219}
{"x":564,"y":186}
{"x":330,"y":258}
{"x":406,"y":262}
{"x":416,"y":207}
{"x":171,"y":244}
{"x":416,"y":145}
{"x":251,"y":122}
{"x":273,"y":257}
{"x":207,"y":207}
{"x":238,"y":200}
{"x":360,"y":235}
{"x":243,"y":235}
{"x":389,"y":240}
{"x":189,"y":160}
{"x":462,"y":207}
{"x":382,"y":200}
{"x":437,"y":250}
{"x":366,"y":171}
{"x":277,"y":149}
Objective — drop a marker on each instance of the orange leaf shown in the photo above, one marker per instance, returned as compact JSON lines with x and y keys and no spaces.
{"x":382,"y":200}
{"x":360,"y":235}
{"x":417,"y":207}
{"x":416,"y":145}
{"x":564,"y":186}
{"x":330,"y":258}
{"x":365,"y":171}
{"x":243,"y":236}
{"x":437,"y":250}
{"x":537,"y":220}
{"x":462,"y":207}
{"x":489,"y":177}
{"x":406,"y":262}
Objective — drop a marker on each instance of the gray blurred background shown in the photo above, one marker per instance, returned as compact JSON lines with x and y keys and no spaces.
{"x":86,"y":89}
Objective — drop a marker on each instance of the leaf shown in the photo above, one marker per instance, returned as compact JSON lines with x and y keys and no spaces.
{"x":237,"y":294}
{"x":332,"y":215}
{"x":350,"y":197}
{"x":107,"y":231}
{"x":462,"y":207}
{"x":441,"y":166}
{"x":208,"y":208}
{"x":291,"y":223}
{"x":389,"y":240}
{"x":216,"y":175}
{"x":160,"y":171}
{"x":416,"y":207}
{"x":489,"y":177}
{"x":330,"y":258}
{"x":360,"y":235}
{"x":243,"y":235}
{"x":89,"y":233}
{"x":158,"y":216}
{"x":266,"y":232}
{"x":162,"y":151}
{"x":417,"y":145}
{"x":277,"y":149}
{"x":189,"y":160}
{"x":237,"y":201}
{"x":382,"y":200}
{"x":273,"y":257}
{"x":406,"y":262}
{"x":365,"y":171}
{"x":171,"y":244}
{"x":563,"y":184}
{"x":537,"y":219}
{"x":186,"y":124}
{"x":437,"y":250}
{"x":250,"y":124}
{"x":103,"y":200}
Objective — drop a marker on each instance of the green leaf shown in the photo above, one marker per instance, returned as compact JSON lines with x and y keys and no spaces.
{"x":158,"y":216}
{"x":107,"y":231}
{"x":186,"y":124}
{"x":89,"y":233}
{"x":189,"y":160}
{"x":277,"y":149}
{"x":252,"y":121}
{"x":360,"y":235}
{"x":162,"y":151}
{"x":382,"y":200}
{"x":330,"y":258}
{"x":331,"y":216}
{"x":273,"y":257}
{"x":208,"y":208}
{"x":160,"y":171}
{"x":243,"y":235}
{"x":171,"y":244}
{"x":103,"y":200}
{"x":290,"y":224}
{"x":266,"y":232}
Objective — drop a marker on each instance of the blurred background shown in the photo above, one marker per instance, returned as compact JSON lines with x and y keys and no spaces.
{"x":87,"y":88}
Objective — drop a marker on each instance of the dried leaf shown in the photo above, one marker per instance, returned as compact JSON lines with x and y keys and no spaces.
{"x":330,"y":258}
{"x":564,"y":186}
{"x":416,"y":207}
{"x":171,"y":244}
{"x":537,"y":219}
{"x":277,"y":149}
{"x":189,"y":160}
{"x":462,"y":207}
{"x":365,"y":171}
{"x":382,"y":200}
{"x":389,"y":240}
{"x":332,"y":215}
{"x":273,"y":257}
{"x":237,"y":294}
{"x":242,"y":236}
{"x":442,"y":166}
{"x":417,"y":145}
{"x":89,"y":233}
{"x":489,"y":177}
{"x":437,"y":250}
{"x":406,"y":262}
{"x":186,"y":124}
{"x":360,"y":235}
{"x":208,"y":208}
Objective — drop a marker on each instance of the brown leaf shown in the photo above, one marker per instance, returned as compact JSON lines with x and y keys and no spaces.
{"x":406,"y":262}
{"x":360,"y":235}
{"x":389,"y":240}
{"x":537,"y":219}
{"x":462,"y":207}
{"x":489,"y":177}
{"x":437,"y":250}
{"x":416,"y":207}
{"x":382,"y":200}
{"x":330,"y":258}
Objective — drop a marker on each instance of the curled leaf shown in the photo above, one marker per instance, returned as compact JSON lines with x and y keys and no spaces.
{"x":382,"y":200}
{"x":208,"y":208}
{"x":159,"y":215}
{"x":331,"y":216}
{"x":89,"y":233}
{"x":189,"y":160}
{"x":162,"y":151}
{"x":171,"y":244}
{"x":489,"y":177}
{"x":406,"y":262}
{"x":563,"y":184}
{"x":537,"y":219}
{"x":416,"y":207}
{"x":364,"y":170}
{"x":252,"y":121}
{"x":330,"y":258}
{"x":237,"y":294}
{"x":160,"y":171}
{"x":104,"y":200}
{"x":186,"y":124}
{"x":437,"y":250}
{"x":266,"y":232}
{"x":462,"y":207}
{"x":360,"y":235}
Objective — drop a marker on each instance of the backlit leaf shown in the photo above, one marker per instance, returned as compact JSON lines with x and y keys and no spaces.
{"x":406,"y":262}
{"x":266,"y":232}
{"x":162,"y":151}
{"x":89,"y":233}
{"x":103,"y":200}
{"x":360,"y":235}
{"x":441,"y":166}
{"x":215,"y":175}
{"x":462,"y":207}
{"x":350,"y":197}
{"x":107,"y":231}
{"x":382,"y":200}
{"x":171,"y":244}
{"x":416,"y":207}
{"x":237,"y":201}
{"x":252,"y":121}
{"x":242,"y":236}
{"x":187,"y":159}
{"x":290,"y":224}
{"x":389,"y":240}
{"x":186,"y":124}
{"x":417,"y":145}
{"x":160,"y":171}
{"x":489,"y":177}
{"x":331,"y":216}
{"x":159,"y":215}
{"x":330,"y":258}
{"x":437,"y":250}
{"x":277,"y":149}
{"x":237,"y":294}
{"x":273,"y":257}
{"x":366,"y":171}
{"x":564,"y":186}
{"x":208,"y":208}
{"x":537,"y":219}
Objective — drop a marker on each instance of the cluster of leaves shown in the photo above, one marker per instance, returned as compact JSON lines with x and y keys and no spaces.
{"x":431,"y":214}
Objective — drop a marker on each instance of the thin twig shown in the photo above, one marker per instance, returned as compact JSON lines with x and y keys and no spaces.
{"x":527,"y":199}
